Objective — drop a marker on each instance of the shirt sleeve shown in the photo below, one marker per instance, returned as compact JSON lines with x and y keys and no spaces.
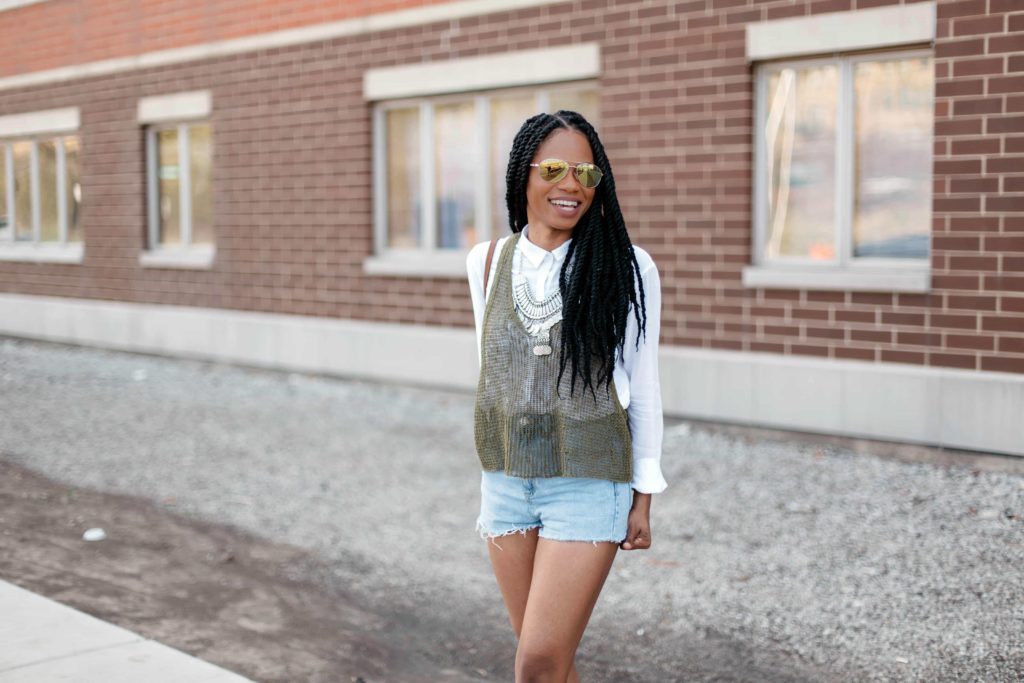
{"x":646,"y":420}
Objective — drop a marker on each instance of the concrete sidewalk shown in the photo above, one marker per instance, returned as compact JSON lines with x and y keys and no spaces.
{"x":43,"y":641}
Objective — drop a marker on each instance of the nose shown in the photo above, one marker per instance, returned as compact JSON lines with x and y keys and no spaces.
{"x":570,"y":182}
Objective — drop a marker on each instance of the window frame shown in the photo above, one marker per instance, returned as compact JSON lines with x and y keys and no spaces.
{"x":845,"y":271}
{"x":429,"y":259}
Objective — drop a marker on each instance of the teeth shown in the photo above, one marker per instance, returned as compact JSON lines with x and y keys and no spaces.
{"x":562,"y":202}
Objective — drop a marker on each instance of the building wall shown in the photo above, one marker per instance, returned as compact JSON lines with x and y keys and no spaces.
{"x":292,"y":171}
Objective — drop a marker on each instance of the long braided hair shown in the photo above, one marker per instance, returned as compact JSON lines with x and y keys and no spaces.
{"x":597,"y":276}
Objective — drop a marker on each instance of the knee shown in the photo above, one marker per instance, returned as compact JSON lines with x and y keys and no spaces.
{"x":541,"y":666}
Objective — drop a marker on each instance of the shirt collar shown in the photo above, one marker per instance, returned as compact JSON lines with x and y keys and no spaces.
{"x":536,"y":254}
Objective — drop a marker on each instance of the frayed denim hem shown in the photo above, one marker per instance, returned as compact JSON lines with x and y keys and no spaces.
{"x":485,"y":534}
{"x":583,"y":540}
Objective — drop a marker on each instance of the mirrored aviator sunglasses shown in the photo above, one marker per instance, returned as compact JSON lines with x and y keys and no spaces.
{"x":553,"y":170}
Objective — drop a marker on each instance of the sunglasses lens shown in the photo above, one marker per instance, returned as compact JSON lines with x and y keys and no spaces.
{"x":589,"y":175}
{"x":553,"y":170}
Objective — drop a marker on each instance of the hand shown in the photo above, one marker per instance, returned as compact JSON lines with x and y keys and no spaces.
{"x":638,"y":532}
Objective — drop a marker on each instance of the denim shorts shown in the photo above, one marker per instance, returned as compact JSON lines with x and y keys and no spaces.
{"x":564,"y":508}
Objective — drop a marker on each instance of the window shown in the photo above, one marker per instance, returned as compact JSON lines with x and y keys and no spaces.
{"x":40,"y":186}
{"x":843,"y":150}
{"x":40,"y":192}
{"x":180,"y":175}
{"x":179,"y":180}
{"x":442,"y":132}
{"x":441,"y":163}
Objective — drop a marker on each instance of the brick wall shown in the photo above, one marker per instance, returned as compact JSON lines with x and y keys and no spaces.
{"x":67,"y":32}
{"x":292,"y":165}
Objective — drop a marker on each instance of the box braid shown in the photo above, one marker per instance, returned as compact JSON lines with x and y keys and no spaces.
{"x":597,"y":277}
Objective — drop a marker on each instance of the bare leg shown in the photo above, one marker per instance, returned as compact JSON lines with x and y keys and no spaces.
{"x":513,"y":568}
{"x":567,"y":580}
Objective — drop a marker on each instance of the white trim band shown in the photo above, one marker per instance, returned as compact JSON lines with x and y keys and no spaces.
{"x":446,"y":11}
{"x":177,"y":107}
{"x":65,"y":120}
{"x":891,"y":401}
{"x":6,"y":5}
{"x":841,"y":31}
{"x":509,"y":69}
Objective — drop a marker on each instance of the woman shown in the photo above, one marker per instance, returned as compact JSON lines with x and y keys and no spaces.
{"x":568,"y":421}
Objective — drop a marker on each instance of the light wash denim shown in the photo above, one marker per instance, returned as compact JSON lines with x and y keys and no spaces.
{"x":564,"y":508}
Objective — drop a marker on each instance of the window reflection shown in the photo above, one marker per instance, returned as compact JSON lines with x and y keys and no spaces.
{"x":800,"y":138}
{"x":507,"y":115}
{"x":169,"y":178}
{"x":455,"y":168}
{"x":403,"y":178}
{"x":893,"y":148}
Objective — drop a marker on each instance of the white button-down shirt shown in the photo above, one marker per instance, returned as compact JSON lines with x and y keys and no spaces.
{"x":636,"y":370}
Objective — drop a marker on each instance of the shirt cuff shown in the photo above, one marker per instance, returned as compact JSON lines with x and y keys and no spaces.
{"x":647,"y":477}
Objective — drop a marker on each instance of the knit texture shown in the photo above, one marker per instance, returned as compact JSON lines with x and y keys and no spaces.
{"x":522,"y":425}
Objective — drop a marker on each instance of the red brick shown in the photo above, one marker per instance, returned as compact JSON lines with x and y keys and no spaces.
{"x":952,"y":360}
{"x":894,"y":318}
{"x":974,"y":185}
{"x":969,"y":341}
{"x":978,"y":67}
{"x":1010,"y":164}
{"x":977,"y":25}
{"x":854,"y":353}
{"x":980,"y":105}
{"x":1005,"y":84}
{"x":808,"y":350}
{"x":1008,"y":43}
{"x":963,"y":8}
{"x":1005,"y":124}
{"x":896,"y":356}
{"x":961,"y":87}
{"x":957,"y":321}
{"x":1004,"y":243}
{"x":1003,"y":323}
{"x":958,"y":126}
{"x":1002,"y":363}
{"x":1011,"y":345}
{"x":1005,"y":203}
{"x":973,"y":303}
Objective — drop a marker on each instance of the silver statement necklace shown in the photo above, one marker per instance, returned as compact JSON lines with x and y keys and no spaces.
{"x":538,"y":316}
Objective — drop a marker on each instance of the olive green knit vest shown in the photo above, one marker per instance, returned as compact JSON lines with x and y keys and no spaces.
{"x":522,"y":425}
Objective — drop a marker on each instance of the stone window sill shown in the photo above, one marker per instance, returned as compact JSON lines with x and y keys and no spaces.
{"x":198,"y":257}
{"x":859,"y":279}
{"x":42,"y":253}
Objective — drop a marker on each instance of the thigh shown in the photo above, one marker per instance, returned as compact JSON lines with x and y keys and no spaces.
{"x":567,"y":580}
{"x":509,"y":522}
{"x":513,"y":569}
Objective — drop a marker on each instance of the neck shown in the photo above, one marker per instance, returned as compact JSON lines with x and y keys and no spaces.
{"x":547,"y":238}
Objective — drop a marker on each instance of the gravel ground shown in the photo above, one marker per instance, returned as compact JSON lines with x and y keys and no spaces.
{"x":773,"y":559}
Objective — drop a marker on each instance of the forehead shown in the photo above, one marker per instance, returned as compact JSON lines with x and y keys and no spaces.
{"x":566,"y":144}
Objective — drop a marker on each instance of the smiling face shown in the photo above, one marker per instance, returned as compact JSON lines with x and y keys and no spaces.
{"x":558,"y":206}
